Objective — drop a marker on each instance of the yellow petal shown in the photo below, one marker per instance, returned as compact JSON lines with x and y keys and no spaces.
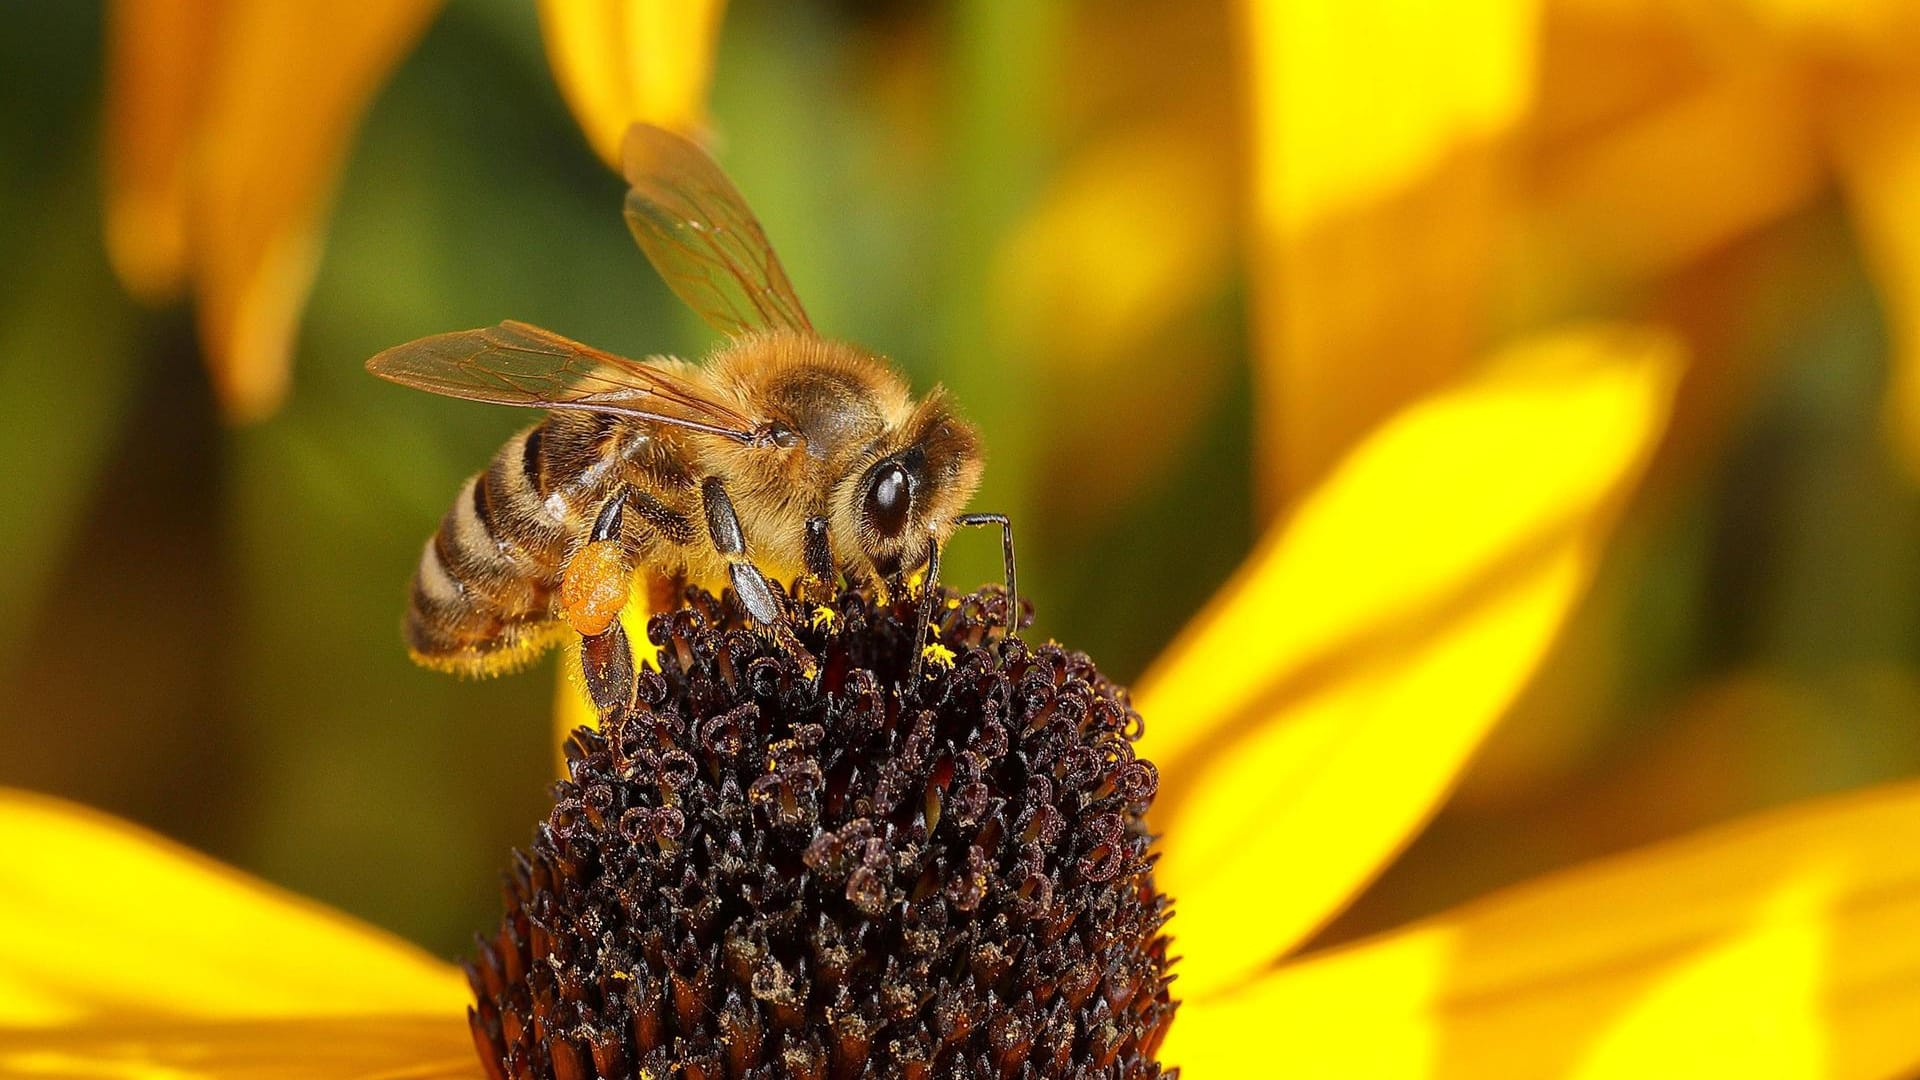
{"x":158,"y":57}
{"x":1876,"y":126}
{"x":1727,"y":154}
{"x":1377,"y":181}
{"x":1131,"y":235}
{"x":288,"y":85}
{"x":107,"y":920}
{"x":1312,"y":717}
{"x":1114,"y":279}
{"x":1786,"y":945}
{"x":396,"y":1047}
{"x":622,"y":61}
{"x":1876,"y":31}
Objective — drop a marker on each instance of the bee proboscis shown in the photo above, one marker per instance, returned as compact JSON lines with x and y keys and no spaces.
{"x":786,"y":454}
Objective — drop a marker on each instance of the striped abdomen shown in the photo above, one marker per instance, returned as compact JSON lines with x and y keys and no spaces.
{"x":485,"y":593}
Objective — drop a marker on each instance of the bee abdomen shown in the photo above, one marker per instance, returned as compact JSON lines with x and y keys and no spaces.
{"x":484,"y":594}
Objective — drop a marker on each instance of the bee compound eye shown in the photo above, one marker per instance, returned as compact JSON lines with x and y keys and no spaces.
{"x":889,"y":496}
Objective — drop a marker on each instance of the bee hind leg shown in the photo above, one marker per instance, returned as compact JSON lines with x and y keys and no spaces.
{"x":595,"y":587}
{"x":606,"y":662}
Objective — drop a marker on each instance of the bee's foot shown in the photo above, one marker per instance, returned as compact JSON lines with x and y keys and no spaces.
{"x":783,"y":635}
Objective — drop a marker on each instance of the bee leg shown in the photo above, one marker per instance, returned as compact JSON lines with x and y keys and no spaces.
{"x":606,"y":660}
{"x":723,"y":528}
{"x":599,"y":576}
{"x":929,"y":592}
{"x":1006,"y":552}
{"x":595,"y":587}
{"x":612,"y":515}
{"x":818,"y":554}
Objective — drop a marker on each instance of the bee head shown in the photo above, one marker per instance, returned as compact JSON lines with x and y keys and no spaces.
{"x":903,"y":496}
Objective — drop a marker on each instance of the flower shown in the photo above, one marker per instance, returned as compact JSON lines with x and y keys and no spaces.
{"x":803,"y":858}
{"x":227,"y":126}
{"x":1304,"y":726}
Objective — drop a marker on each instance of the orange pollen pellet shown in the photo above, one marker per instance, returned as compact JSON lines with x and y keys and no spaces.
{"x":595,"y":587}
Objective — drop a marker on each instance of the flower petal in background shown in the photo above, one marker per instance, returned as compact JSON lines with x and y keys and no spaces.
{"x":157,"y":68}
{"x":1309,"y":722}
{"x":618,"y":61}
{"x":112,"y":922}
{"x":1377,"y":179}
{"x":287,"y":90}
{"x":1111,"y":280}
{"x":390,"y":1047}
{"x":1666,"y":133}
{"x":1119,"y":278}
{"x":228,"y":126}
{"x":1777,"y":946}
{"x":1668,"y":183}
{"x":1876,"y":137}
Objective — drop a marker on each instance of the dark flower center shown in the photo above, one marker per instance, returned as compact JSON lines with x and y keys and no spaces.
{"x":787,"y":866}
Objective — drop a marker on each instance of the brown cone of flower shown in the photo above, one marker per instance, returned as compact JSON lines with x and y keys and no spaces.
{"x":787,"y":866}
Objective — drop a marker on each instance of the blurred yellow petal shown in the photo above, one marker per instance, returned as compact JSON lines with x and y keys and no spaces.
{"x":1878,"y":31}
{"x":1780,"y":946}
{"x":1112,"y":280}
{"x":287,"y":89}
{"x":1120,"y":280}
{"x":1876,"y":129}
{"x":621,"y":61}
{"x":1131,"y":234}
{"x":1308,"y":722}
{"x":107,"y":920}
{"x":158,"y":57}
{"x":1727,"y":156}
{"x":1414,"y":78}
{"x":388,"y":1047}
{"x":1377,"y":185}
{"x":1872,"y":31}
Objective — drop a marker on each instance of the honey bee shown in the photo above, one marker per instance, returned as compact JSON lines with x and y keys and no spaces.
{"x":786,"y":455}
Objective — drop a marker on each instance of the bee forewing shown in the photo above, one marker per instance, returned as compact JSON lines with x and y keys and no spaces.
{"x":518,"y":364}
{"x":698,"y":233}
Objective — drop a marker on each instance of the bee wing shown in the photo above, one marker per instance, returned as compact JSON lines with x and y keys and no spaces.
{"x":515,"y":363}
{"x":700,"y":236}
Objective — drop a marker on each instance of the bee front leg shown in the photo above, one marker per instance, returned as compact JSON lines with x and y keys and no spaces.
{"x":923,"y":619}
{"x":1006,"y":555}
{"x":818,"y":553}
{"x":723,"y":528}
{"x":593,"y":590}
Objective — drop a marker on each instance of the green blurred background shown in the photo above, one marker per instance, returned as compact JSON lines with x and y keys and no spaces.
{"x":201,"y":622}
